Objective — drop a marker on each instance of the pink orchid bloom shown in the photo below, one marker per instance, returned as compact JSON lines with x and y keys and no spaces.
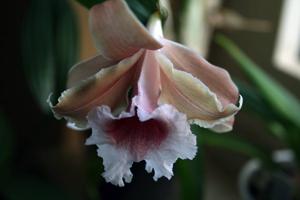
{"x":140,"y":94}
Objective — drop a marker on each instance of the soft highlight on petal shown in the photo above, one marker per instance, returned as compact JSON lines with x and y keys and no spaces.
{"x":117,"y":33}
{"x":225,"y":126}
{"x":87,"y":68}
{"x":107,"y":87}
{"x":215,"y":78}
{"x":191,"y":96}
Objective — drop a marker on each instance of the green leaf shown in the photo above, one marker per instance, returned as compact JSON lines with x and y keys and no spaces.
{"x":66,"y":43}
{"x":276,"y":95}
{"x":179,"y":11}
{"x":191,"y":176}
{"x":255,"y":103}
{"x":141,"y":8}
{"x":89,"y":3}
{"x":235,"y":144}
{"x":49,"y":47}
{"x":38,"y":50}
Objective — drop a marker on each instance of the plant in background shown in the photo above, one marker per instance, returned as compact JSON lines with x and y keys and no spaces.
{"x":46,"y":60}
{"x":266,"y":98}
{"x":279,"y":109}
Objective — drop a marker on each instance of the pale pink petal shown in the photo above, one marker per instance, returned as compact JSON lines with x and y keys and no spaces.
{"x":148,"y":85}
{"x":117,"y":164}
{"x":87,"y":68}
{"x":160,"y":138}
{"x":215,"y":78}
{"x":191,"y":96}
{"x":117,"y":33}
{"x":107,"y":87}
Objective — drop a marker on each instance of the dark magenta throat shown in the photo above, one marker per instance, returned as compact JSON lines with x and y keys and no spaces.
{"x":136,"y":136}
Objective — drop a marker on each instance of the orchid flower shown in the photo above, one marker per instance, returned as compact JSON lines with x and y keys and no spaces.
{"x":140,"y":94}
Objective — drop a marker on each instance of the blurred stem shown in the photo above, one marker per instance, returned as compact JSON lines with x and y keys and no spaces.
{"x":179,"y":8}
{"x":191,"y":176}
{"x":255,"y":103}
{"x":234,"y":144}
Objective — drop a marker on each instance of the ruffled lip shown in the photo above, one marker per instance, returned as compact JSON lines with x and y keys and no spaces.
{"x":137,"y":136}
{"x":132,"y":137}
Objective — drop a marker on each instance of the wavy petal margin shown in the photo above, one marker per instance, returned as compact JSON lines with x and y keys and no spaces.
{"x":117,"y":160}
{"x":107,"y":87}
{"x":192,"y":97}
{"x":87,"y":68}
{"x":215,"y":78}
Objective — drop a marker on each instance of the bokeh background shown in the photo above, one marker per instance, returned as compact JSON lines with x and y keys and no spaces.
{"x":40,"y":158}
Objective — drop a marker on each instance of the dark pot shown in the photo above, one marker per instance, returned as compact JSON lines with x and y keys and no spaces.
{"x":258,"y":183}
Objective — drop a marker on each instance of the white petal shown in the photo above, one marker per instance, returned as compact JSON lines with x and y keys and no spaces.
{"x":117,"y":161}
{"x":180,"y":143}
{"x":117,"y":164}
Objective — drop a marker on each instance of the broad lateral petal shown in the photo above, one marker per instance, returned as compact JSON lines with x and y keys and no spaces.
{"x":117,"y":33}
{"x":107,"y":87}
{"x":87,"y":68}
{"x":215,"y":78}
{"x":191,"y":96}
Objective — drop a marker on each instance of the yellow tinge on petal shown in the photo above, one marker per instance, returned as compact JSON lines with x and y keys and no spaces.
{"x":87,"y":68}
{"x":191,"y":96}
{"x":107,"y":87}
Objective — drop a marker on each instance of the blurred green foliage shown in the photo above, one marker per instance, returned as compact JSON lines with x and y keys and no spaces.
{"x":276,"y":96}
{"x":191,"y":175}
{"x":89,"y":3}
{"x":49,"y":47}
{"x":283,"y":108}
{"x":141,"y":8}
